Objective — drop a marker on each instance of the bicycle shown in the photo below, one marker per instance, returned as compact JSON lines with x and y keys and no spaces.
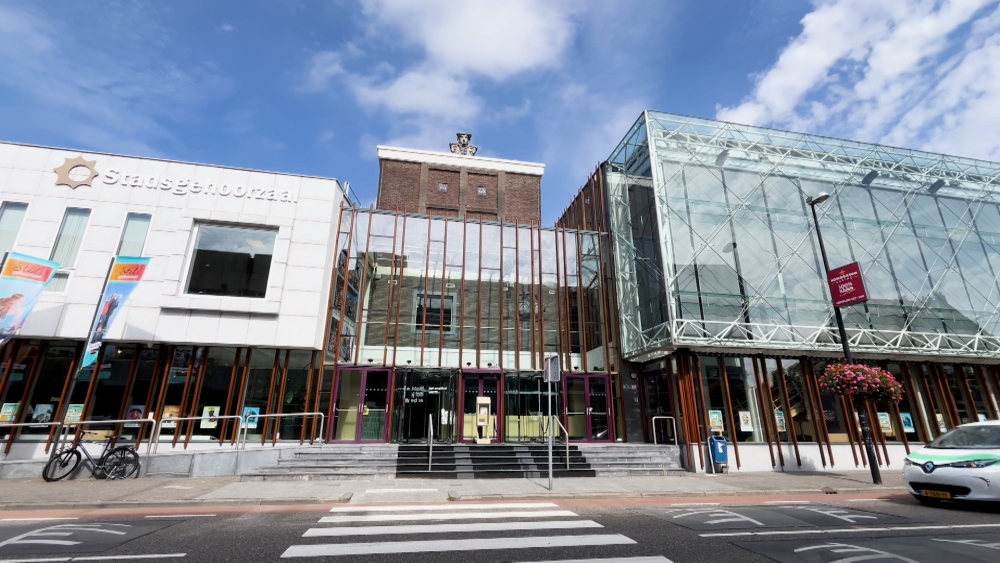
{"x":118,"y":463}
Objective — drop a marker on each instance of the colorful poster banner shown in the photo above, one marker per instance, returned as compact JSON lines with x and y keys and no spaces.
{"x":169,"y":412}
{"x":715,"y":421}
{"x":8,"y":412}
{"x":126,"y":271}
{"x":42,"y":413}
{"x":908,"y":426}
{"x":210,"y":423}
{"x":74,"y":413}
{"x":746,"y":421}
{"x":134,"y":412}
{"x":779,"y":420}
{"x":885,"y":424}
{"x":250,"y":417}
{"x":22,"y":281}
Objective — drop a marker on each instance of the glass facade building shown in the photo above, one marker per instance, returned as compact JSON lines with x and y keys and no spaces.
{"x":723,"y":304}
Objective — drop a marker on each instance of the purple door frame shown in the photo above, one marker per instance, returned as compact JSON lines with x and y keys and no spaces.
{"x":498,"y":407}
{"x":586,"y":379}
{"x":360,"y":398}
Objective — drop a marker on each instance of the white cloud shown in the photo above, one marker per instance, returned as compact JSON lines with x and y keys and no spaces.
{"x":84,"y":94}
{"x":924,"y":73}
{"x":419,"y":92}
{"x":322,"y":67}
{"x":226,"y":27}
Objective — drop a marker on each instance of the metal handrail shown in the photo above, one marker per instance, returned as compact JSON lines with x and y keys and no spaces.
{"x":154,"y":438}
{"x":563,"y":428}
{"x":430,"y":440}
{"x":672,"y":423}
{"x":322,"y":425}
{"x":63,"y":424}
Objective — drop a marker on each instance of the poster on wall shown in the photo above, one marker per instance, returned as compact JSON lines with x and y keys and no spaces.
{"x":42,"y":413}
{"x":170,"y":411}
{"x":250,"y":417}
{"x":125,"y":273}
{"x":941,"y":424}
{"x":210,"y":423}
{"x":779,"y":420}
{"x":22,"y":280}
{"x":715,"y":421}
{"x":134,"y":412}
{"x":74,"y":413}
{"x":746,"y":421}
{"x":8,"y":411}
{"x":908,"y":427}
{"x":885,"y":424}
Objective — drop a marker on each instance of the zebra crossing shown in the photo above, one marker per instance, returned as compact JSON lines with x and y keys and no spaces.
{"x":354,"y":527}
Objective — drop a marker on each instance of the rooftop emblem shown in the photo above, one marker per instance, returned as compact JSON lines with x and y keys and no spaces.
{"x":463,"y":146}
{"x":62,"y":173}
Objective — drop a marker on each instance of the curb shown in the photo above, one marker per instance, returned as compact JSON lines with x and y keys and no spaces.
{"x":454,"y":496}
{"x":344,"y":498}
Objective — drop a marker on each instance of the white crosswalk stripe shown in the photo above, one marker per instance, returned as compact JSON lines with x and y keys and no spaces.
{"x":348,"y":522}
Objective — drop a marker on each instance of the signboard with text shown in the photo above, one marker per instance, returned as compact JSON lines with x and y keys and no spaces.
{"x":846,"y":285}
{"x":126,"y":271}
{"x":22,"y":281}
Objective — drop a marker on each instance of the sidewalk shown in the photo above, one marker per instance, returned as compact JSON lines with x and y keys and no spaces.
{"x":90,"y":493}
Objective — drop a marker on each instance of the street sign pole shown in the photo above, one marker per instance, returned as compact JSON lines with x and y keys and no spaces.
{"x":549,"y":384}
{"x":551,"y":374}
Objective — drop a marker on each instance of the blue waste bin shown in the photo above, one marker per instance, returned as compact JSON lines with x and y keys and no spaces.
{"x":720,"y":451}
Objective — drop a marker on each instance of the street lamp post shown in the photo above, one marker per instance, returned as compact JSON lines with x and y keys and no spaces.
{"x":866,"y":429}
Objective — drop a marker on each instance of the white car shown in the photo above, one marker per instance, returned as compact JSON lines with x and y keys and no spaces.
{"x":961,"y":464}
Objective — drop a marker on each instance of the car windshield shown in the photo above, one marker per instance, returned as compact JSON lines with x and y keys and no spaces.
{"x":969,"y":437}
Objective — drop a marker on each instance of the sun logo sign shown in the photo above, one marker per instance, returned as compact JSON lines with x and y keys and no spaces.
{"x":76,"y":172}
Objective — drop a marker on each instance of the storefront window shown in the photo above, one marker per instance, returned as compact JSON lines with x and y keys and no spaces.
{"x":526,"y":406}
{"x":744,"y":404}
{"x":231,"y":261}
{"x":260,"y":381}
{"x":43,"y":405}
{"x":911,"y":424}
{"x":217,"y":379}
{"x":112,"y":382}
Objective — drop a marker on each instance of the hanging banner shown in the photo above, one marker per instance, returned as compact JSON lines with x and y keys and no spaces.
{"x":846,"y":285}
{"x":126,"y":271}
{"x":22,"y":281}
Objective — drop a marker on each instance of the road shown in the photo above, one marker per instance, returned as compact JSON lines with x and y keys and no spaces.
{"x":823,"y":529}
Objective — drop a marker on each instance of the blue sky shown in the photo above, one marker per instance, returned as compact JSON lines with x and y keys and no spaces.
{"x":312,"y":87}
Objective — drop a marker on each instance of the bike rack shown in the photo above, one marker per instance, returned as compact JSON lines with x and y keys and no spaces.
{"x":322,"y":418}
{"x":673,"y":423}
{"x":154,"y":438}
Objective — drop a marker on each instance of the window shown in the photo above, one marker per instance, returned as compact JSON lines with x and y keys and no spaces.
{"x":67,"y":246}
{"x":11,"y":216}
{"x":442,"y":187}
{"x":480,"y":190}
{"x":231,"y":261}
{"x":438,"y":314}
{"x":134,"y":234}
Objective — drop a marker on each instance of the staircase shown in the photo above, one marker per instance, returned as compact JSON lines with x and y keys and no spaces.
{"x":468,"y":461}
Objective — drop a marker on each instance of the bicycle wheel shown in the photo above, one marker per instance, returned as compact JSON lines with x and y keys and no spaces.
{"x":121,"y":463}
{"x":62,"y":464}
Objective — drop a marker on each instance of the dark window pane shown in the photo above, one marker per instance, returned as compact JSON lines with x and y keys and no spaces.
{"x":231,"y":261}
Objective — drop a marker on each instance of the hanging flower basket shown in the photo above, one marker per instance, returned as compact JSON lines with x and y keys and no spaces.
{"x":861,"y":381}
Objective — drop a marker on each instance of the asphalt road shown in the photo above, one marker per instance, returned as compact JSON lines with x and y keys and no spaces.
{"x":619,"y":530}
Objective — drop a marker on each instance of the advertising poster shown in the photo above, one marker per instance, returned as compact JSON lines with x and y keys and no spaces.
{"x":884,"y":423}
{"x":210,"y":423}
{"x":779,"y":420}
{"x":170,"y":411}
{"x":22,"y":280}
{"x":941,"y":424}
{"x":74,"y":413}
{"x":8,"y":411}
{"x":746,"y":421}
{"x":250,"y":417}
{"x":134,"y":412}
{"x":715,"y":421}
{"x":907,"y":423}
{"x":126,"y":271}
{"x":42,"y":414}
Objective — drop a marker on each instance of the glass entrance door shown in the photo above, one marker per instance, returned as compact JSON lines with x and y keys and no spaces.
{"x":360,"y":409}
{"x":587,"y":407}
{"x":475,"y":385}
{"x":422,"y":399}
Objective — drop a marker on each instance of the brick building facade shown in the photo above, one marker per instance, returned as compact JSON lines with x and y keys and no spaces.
{"x":459,"y":185}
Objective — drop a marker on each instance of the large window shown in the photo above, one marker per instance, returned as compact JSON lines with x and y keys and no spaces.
{"x":67,"y":246}
{"x":11,"y":216}
{"x":134,"y":234}
{"x":231,"y":261}
{"x":437,"y":314}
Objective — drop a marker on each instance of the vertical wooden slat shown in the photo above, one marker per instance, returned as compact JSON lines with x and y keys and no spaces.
{"x":767,"y":410}
{"x":790,"y":419}
{"x":852,"y":427}
{"x":784,"y":413}
{"x":399,"y":293}
{"x":541,"y":296}
{"x":532,"y":297}
{"x":310,"y":422}
{"x":242,"y":393}
{"x":561,"y":338}
{"x":29,"y":379}
{"x":915,"y":402}
{"x":444,"y":276}
{"x":931,"y":402}
{"x":270,"y":396}
{"x":427,"y":271}
{"x":229,"y":397}
{"x":461,"y":303}
{"x":729,"y":407}
{"x":281,"y":390}
{"x":70,"y":372}
{"x":199,"y":385}
{"x":986,"y":391}
{"x":154,"y":383}
{"x":969,"y":398}
{"x":184,"y":395}
{"x":581,"y":305}
{"x":479,"y":299}
{"x":517,"y":298}
{"x":816,"y":412}
{"x":389,"y":292}
{"x":129,"y":383}
{"x":567,"y":310}
{"x":502,"y":291}
{"x":814,"y":383}
{"x":11,"y":348}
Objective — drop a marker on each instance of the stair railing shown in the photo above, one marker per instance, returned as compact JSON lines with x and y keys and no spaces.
{"x":566,"y":433}
{"x":430,"y":440}
{"x":673,"y":424}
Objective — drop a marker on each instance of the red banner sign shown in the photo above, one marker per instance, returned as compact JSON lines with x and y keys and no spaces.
{"x":846,"y":285}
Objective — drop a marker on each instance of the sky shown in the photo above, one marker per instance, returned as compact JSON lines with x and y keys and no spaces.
{"x":313,"y":86}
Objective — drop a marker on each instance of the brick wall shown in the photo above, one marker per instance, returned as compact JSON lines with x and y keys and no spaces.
{"x":399,"y":185}
{"x":522,"y":198}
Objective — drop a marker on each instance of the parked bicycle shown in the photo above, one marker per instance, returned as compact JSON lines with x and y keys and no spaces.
{"x":113,"y":463}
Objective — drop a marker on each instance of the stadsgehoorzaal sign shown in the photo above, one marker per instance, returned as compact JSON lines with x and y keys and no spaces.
{"x":176,"y":186}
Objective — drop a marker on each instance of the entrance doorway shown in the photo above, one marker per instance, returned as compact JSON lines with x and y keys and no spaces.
{"x":587,"y":407}
{"x":423,"y":399}
{"x":360,"y":411}
{"x":477,"y":384}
